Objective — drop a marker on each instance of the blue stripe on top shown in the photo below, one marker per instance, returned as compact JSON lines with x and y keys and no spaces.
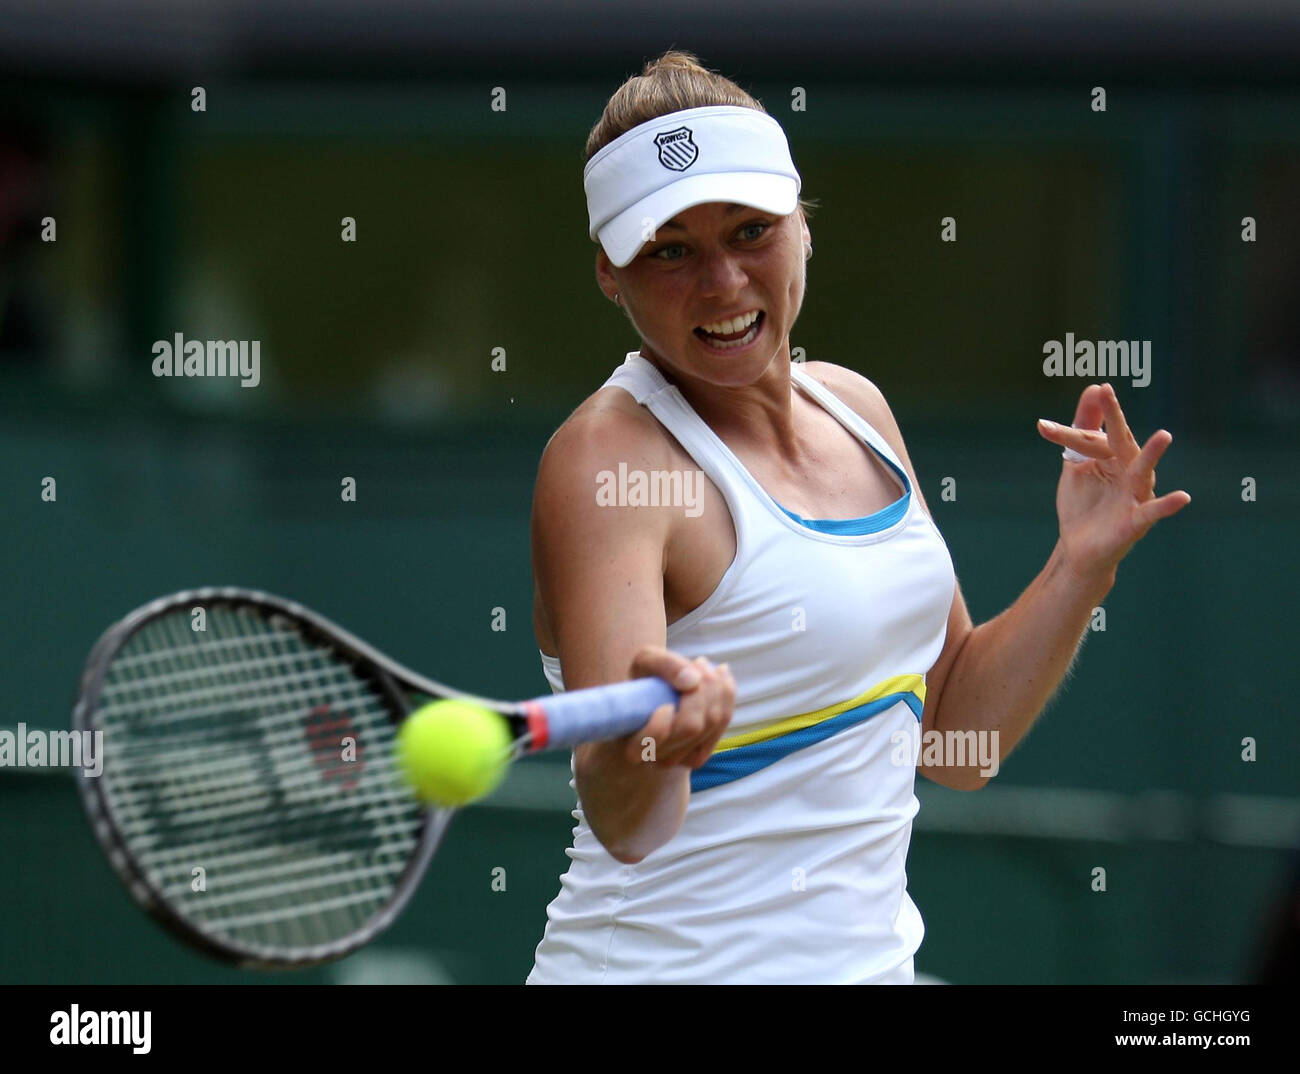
{"x":745,"y":760}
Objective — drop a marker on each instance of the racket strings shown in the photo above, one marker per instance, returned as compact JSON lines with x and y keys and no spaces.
{"x":263,"y":759}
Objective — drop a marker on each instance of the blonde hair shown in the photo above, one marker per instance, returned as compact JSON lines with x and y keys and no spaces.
{"x":672,"y":83}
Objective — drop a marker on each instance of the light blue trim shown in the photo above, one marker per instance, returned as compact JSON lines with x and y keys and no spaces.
{"x":873,"y":523}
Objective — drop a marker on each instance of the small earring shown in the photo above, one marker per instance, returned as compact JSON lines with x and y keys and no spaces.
{"x":807,"y":253}
{"x":617,"y":302}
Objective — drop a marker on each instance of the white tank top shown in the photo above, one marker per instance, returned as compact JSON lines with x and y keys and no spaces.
{"x":790,"y":864}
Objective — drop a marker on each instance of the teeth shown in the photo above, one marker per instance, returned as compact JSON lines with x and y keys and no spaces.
{"x":743,"y":341}
{"x":722,"y":328}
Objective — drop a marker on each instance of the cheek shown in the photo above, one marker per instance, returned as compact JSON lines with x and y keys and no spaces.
{"x":661,"y":310}
{"x":798,"y":288}
{"x":649,"y":319}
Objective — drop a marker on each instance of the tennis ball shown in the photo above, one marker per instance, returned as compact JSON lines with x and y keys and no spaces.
{"x":451,"y":752}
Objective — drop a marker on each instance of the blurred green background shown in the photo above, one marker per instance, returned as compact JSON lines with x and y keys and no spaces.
{"x":376,"y":364}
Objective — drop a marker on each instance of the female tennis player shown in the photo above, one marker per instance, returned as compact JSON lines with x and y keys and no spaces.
{"x":799,"y":594}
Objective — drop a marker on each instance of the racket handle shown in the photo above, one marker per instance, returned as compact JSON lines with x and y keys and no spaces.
{"x":595,"y":713}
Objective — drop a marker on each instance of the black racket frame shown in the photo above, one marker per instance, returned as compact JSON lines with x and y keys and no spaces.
{"x":385,"y":675}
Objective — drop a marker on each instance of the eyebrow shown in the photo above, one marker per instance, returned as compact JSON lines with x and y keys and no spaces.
{"x":732,"y":209}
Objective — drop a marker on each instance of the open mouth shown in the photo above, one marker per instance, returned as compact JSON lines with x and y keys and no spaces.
{"x":742,"y":334}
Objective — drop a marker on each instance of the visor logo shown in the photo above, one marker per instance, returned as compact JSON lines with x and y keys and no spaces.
{"x":676,"y":149}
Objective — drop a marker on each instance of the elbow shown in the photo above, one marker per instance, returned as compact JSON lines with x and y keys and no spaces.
{"x":626,"y":848}
{"x":622,"y":850}
{"x":617,"y":842}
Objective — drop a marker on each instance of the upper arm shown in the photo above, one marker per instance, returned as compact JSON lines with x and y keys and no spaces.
{"x":865,"y":398}
{"x":598,"y":567}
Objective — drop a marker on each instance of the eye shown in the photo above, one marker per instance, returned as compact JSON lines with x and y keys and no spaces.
{"x":761,"y":225}
{"x":663,"y":249}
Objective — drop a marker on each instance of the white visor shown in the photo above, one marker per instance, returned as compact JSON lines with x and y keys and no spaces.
{"x":647,"y":176}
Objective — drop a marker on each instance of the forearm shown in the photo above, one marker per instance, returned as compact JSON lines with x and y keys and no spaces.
{"x":1010,"y":667}
{"x":632,"y":807}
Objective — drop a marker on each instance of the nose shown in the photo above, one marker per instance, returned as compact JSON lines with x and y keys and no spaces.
{"x":721,"y":273}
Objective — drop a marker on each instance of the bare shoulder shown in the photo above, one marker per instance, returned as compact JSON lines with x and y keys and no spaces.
{"x":608,"y":425}
{"x":609,"y":430}
{"x":846,"y":382}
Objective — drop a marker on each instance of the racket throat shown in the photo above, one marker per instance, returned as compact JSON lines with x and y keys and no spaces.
{"x":539,"y":729}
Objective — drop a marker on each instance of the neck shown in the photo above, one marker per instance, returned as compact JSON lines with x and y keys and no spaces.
{"x":758,"y":415}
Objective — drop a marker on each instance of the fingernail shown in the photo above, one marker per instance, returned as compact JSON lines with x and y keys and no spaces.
{"x":689,"y":676}
{"x":1048,"y":424}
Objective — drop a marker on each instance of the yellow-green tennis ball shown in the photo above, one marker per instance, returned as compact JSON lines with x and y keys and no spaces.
{"x":452,"y":752}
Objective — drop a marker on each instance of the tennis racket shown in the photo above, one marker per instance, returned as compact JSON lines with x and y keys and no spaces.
{"x":249,"y":798}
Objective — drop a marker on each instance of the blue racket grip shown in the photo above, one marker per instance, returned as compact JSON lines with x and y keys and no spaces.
{"x":595,"y":713}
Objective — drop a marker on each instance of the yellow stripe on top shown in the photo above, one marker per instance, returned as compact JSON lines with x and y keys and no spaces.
{"x":899,"y":684}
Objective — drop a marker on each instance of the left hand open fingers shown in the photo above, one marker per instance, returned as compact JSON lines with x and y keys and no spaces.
{"x":1143,"y":472}
{"x":1143,"y":469}
{"x":1162,"y":507}
{"x":1089,"y":413}
{"x":1090,"y":442}
{"x":1118,"y":434}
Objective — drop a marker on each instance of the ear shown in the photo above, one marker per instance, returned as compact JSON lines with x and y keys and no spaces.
{"x":605,"y":273}
{"x":803,"y":223}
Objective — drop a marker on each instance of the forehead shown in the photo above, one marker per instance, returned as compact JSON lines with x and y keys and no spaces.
{"x":700,"y":213}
